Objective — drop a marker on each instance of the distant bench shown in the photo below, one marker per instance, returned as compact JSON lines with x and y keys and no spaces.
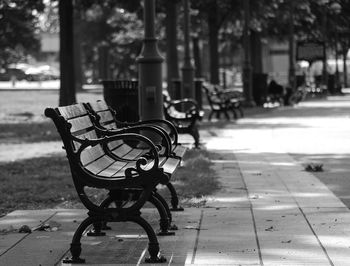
{"x":223,"y":101}
{"x":184,"y":114}
{"x":121,"y":161}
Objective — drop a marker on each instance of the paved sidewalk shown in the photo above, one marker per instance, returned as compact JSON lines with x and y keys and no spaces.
{"x":268,"y":212}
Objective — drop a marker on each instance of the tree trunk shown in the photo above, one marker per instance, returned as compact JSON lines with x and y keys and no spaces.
{"x":256,"y":54}
{"x":345,"y":67}
{"x":103,"y":62}
{"x":197,"y":58}
{"x":67,"y":89}
{"x":78,"y":70}
{"x":213,"y":43}
{"x":172,"y":61}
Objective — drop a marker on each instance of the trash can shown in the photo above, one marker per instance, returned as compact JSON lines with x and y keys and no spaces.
{"x":122,"y":96}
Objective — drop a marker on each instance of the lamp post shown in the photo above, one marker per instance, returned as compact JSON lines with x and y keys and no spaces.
{"x":187,"y":68}
{"x":247,"y":67}
{"x":150,"y":69}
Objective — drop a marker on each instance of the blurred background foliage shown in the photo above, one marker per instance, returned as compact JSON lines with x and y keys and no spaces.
{"x":113,"y":29}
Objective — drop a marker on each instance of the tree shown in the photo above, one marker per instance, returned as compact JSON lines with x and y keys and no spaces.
{"x":110,"y":30}
{"x":216,"y":13}
{"x":18,"y":29}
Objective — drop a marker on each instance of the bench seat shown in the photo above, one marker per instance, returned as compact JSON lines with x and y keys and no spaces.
{"x":106,"y":123}
{"x":106,"y":119}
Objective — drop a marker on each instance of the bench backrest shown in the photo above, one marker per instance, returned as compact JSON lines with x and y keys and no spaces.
{"x":214,"y":100}
{"x":106,"y":120}
{"x":106,"y":116}
{"x":74,"y":125}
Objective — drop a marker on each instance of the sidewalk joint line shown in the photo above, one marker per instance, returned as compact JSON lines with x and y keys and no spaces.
{"x":253,"y":217}
{"x":197,"y":238}
{"x":141,"y":257}
{"x":308,"y":223}
{"x":25,"y":236}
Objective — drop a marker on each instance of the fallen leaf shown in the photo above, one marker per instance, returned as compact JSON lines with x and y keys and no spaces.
{"x":286,"y":241}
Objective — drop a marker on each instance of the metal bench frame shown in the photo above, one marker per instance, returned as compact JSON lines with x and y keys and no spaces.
{"x":135,"y":183}
{"x":222,"y":102}
{"x":184,"y":114}
{"x":108,"y":124}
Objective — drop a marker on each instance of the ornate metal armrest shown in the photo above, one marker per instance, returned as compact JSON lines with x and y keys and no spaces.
{"x":153,"y":151}
{"x":184,"y":101}
{"x":165,"y":139}
{"x":158,"y":122}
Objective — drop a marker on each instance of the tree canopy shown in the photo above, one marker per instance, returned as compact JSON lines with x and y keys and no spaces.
{"x":19,"y":29}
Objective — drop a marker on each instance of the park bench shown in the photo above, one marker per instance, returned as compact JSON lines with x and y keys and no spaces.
{"x":104,"y":118}
{"x":184,"y":114}
{"x":223,"y":101}
{"x":129,"y":182}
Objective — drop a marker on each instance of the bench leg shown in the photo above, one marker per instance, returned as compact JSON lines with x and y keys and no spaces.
{"x":195,"y":134}
{"x":167,"y":209}
{"x":241,"y":111}
{"x":174,"y":198}
{"x":153,"y":245}
{"x":164,"y":220}
{"x":75,"y":246}
{"x":235,"y":116}
{"x":226,"y":115}
{"x":210,"y":115}
{"x":98,"y":227}
{"x":104,"y":204}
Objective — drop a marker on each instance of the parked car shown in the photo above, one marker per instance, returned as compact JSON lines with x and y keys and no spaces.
{"x":28,"y":72}
{"x":9,"y":74}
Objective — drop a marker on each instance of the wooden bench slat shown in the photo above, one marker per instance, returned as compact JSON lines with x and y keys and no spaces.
{"x":100,"y":164}
{"x":180,"y":150}
{"x":91,"y":154}
{"x":89,"y":135}
{"x":113,"y":169}
{"x":120,"y":172}
{"x":170,"y":165}
{"x":105,"y":117}
{"x":134,"y":153}
{"x":115,"y":144}
{"x":99,"y":106}
{"x":120,"y":150}
{"x":72,"y":111}
{"x":80,"y":123}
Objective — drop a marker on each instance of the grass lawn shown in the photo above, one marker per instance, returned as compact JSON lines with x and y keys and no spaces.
{"x":22,"y":115}
{"x":35,"y":184}
{"x":46,"y":182}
